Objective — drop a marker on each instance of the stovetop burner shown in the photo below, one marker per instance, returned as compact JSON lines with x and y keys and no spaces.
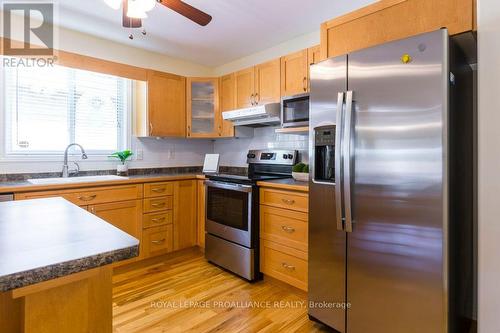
{"x":263,"y":165}
{"x":245,"y":179}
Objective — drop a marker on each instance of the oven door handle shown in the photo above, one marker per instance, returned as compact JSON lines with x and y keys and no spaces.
{"x":229,"y":186}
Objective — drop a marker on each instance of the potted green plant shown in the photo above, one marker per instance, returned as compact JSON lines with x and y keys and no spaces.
{"x":123,"y":156}
{"x":300,"y":172}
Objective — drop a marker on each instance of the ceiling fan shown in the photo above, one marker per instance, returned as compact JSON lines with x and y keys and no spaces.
{"x":134,"y":11}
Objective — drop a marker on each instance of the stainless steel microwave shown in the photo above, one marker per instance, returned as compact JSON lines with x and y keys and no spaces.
{"x":295,"y":111}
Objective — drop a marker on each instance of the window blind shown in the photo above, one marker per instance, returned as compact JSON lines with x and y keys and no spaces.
{"x":47,"y":108}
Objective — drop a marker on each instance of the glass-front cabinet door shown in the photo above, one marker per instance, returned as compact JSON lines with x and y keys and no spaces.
{"x":203,"y":108}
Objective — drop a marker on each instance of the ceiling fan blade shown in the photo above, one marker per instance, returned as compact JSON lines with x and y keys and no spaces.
{"x":129,"y":22}
{"x":188,"y":11}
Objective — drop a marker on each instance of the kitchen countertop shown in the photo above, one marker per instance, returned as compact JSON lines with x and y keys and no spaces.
{"x":286,"y":184}
{"x":44,"y":239}
{"x":25,"y":186}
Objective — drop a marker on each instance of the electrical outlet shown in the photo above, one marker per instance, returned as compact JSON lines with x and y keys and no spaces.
{"x":140,"y":154}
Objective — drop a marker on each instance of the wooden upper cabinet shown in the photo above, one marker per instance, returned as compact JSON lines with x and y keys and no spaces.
{"x":389,"y":20}
{"x":314,"y":55}
{"x":203,"y":115}
{"x":227,"y":103}
{"x":267,"y":82}
{"x":245,"y":88}
{"x":294,"y":73}
{"x":166,"y":104}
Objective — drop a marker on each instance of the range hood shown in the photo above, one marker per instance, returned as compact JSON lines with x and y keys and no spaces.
{"x":256,"y":116}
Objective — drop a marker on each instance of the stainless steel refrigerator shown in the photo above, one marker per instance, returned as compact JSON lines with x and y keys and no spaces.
{"x":391,"y":171}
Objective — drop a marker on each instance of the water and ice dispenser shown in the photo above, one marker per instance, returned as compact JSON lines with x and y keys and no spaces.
{"x":324,"y":154}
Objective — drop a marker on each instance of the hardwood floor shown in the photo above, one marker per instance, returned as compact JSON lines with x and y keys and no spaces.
{"x":184,"y":293}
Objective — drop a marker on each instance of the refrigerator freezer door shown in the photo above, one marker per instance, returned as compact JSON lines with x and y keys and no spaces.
{"x":396,"y":268}
{"x":327,"y":245}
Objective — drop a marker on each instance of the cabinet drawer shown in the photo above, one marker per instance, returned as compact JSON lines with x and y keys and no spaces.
{"x":285,"y":199}
{"x":157,"y":204}
{"x":91,"y":195}
{"x":153,"y":190}
{"x":157,"y":219}
{"x":285,"y":227}
{"x":285,"y":264}
{"x":157,"y":240}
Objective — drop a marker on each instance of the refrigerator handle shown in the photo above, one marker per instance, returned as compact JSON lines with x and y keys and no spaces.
{"x":348,"y":157}
{"x":339,"y":132}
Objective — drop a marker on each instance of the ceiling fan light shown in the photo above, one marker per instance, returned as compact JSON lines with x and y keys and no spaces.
{"x":147,"y":5}
{"x":135,"y":10}
{"x":115,"y":4}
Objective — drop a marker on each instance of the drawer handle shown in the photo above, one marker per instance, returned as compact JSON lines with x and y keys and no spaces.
{"x":88,"y":197}
{"x":287,"y":266}
{"x":158,"y":190}
{"x":158,"y":204}
{"x":160,"y":241}
{"x":288,"y":201}
{"x":158,"y":220}
{"x":288,"y":229}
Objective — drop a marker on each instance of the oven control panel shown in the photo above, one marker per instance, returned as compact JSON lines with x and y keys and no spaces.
{"x":285,"y":157}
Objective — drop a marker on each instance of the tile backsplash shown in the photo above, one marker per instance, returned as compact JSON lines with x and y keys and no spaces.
{"x":233,"y":151}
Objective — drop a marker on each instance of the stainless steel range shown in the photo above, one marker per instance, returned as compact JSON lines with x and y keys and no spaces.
{"x":232,"y":211}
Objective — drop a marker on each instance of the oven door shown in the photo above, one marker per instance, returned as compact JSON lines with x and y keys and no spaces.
{"x":229,"y":211}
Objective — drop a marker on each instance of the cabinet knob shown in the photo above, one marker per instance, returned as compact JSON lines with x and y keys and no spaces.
{"x":150,"y":128}
{"x":304,"y":82}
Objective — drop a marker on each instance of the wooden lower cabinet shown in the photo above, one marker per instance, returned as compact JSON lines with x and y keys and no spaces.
{"x":157,"y":240}
{"x":284,"y":226}
{"x":185,"y":226}
{"x":125,"y":215}
{"x":284,"y":263}
{"x":162,"y":215}
{"x":201,"y":213}
{"x":90,"y":195}
{"x":284,"y":235}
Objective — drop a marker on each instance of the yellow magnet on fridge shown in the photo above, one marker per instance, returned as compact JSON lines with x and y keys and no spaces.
{"x":406,"y":58}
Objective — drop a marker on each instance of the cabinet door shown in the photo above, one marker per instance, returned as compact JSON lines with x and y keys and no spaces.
{"x":125,"y":215}
{"x":185,"y":231}
{"x":201,"y":213}
{"x":245,"y":88}
{"x":227,"y":103}
{"x":313,"y":55}
{"x":267,"y":82}
{"x":294,"y":74}
{"x":385,"y":21}
{"x":166,"y":104}
{"x":202,"y":107}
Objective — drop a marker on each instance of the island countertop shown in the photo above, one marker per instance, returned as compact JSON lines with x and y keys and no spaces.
{"x":44,"y":239}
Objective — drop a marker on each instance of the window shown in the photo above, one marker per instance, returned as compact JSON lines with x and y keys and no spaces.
{"x":47,"y":108}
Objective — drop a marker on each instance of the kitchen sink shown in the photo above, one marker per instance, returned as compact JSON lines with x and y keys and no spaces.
{"x":73,"y":180}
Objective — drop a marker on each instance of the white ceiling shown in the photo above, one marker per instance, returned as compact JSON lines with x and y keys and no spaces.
{"x":238,"y":27}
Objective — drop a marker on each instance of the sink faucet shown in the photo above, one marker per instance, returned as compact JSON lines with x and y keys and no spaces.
{"x":65,"y":171}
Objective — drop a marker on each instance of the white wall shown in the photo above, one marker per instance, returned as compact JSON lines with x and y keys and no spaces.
{"x":293,"y":45}
{"x":489,"y":165}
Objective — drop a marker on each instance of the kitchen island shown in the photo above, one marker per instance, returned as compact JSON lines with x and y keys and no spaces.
{"x":55,"y":273}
